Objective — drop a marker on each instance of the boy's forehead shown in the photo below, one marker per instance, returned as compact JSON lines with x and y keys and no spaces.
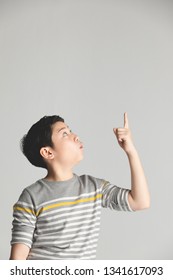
{"x":58,"y":126}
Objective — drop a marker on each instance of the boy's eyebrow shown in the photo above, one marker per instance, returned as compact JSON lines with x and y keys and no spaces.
{"x":63,"y":128}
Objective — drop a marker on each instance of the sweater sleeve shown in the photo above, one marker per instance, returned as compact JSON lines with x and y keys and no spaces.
{"x":114,"y":197}
{"x":24,"y":220}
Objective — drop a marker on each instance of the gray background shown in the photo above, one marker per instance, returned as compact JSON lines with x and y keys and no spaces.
{"x":90,"y":61}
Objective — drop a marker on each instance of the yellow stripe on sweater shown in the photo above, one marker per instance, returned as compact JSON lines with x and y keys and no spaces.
{"x":66,"y":203}
{"x":24,"y":209}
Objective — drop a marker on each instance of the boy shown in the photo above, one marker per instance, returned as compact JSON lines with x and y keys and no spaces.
{"x":58,"y":216}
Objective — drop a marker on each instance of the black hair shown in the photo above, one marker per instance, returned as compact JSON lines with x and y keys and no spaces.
{"x":38,"y":136}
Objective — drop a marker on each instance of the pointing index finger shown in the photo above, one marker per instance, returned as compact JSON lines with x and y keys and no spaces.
{"x":126,"y":123}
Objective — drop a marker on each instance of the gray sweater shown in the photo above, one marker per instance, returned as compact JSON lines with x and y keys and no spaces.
{"x":61,"y":220}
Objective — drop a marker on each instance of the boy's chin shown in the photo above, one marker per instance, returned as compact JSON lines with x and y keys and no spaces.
{"x":79,"y":160}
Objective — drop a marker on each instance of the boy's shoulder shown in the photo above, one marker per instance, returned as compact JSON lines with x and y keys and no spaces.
{"x":35,"y":187}
{"x":91,"y":180}
{"x":88,"y":177}
{"x":31,"y":191}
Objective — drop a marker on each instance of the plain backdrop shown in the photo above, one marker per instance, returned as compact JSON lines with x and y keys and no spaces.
{"x":90,"y":61}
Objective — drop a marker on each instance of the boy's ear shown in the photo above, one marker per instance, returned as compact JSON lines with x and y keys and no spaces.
{"x":47,"y":153}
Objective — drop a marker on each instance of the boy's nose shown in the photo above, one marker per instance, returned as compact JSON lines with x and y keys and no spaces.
{"x":76,"y":138}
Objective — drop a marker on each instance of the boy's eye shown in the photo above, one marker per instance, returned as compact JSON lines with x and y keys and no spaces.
{"x":65,"y":133}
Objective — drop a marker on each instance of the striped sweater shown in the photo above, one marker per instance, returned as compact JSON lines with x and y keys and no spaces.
{"x":61,"y":220}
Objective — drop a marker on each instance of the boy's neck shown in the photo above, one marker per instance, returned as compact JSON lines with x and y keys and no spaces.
{"x":59,"y":175}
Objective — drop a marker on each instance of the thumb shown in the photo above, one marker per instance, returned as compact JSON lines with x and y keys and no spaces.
{"x":115,"y":131}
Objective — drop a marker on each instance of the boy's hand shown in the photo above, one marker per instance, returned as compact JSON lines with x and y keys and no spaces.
{"x":124,"y":136}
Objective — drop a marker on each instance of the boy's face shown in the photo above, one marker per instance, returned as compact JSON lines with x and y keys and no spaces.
{"x":67,"y":148}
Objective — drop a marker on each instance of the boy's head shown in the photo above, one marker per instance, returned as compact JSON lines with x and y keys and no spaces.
{"x":39,"y":135}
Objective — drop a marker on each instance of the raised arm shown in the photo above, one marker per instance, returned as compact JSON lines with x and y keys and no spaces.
{"x":139,"y":197}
